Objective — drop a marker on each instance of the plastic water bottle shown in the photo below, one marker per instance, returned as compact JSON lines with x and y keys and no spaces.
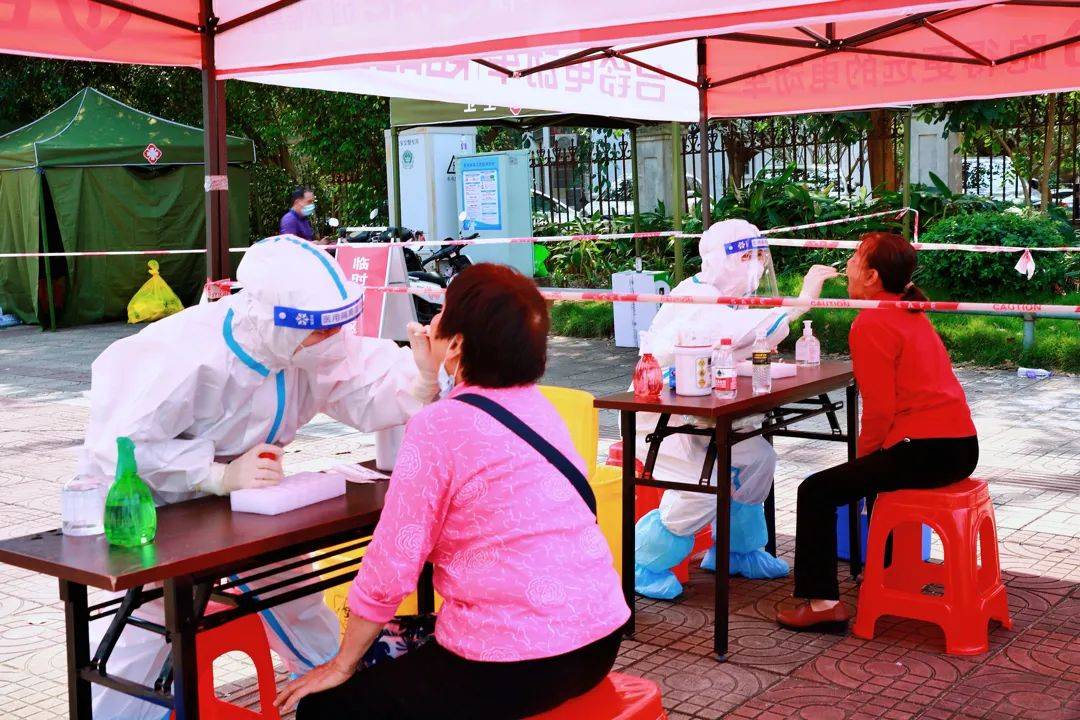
{"x":130,"y":515}
{"x":762,"y":365}
{"x":725,"y":376}
{"x":808,"y":349}
{"x":1033,"y":373}
{"x":648,"y":379}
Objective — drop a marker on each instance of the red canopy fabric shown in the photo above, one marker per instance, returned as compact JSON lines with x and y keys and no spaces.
{"x":87,"y":30}
{"x":989,"y":51}
{"x":763,"y":56}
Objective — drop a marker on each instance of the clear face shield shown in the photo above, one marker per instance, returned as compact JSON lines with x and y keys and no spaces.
{"x":748,"y":268}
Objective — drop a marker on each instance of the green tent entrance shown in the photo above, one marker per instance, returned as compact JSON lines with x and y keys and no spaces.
{"x":98,"y":175}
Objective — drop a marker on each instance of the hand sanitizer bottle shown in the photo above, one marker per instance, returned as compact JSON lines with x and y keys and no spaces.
{"x":130,"y":515}
{"x":808,"y":349}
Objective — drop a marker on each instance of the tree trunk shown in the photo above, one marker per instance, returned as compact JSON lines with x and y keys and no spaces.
{"x":882,"y":151}
{"x":1048,"y":153}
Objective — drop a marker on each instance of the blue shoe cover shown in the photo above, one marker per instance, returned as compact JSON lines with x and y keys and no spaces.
{"x":656,"y":585}
{"x":748,"y":537}
{"x":757,"y":565}
{"x":748,"y":529}
{"x":656,"y":551}
{"x":709,"y":561}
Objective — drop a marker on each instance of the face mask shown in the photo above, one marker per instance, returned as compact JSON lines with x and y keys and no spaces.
{"x":308,"y":210}
{"x":446,"y":380}
{"x":755,"y":269}
{"x":313,"y":357}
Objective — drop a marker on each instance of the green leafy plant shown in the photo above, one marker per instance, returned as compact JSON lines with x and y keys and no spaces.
{"x":970,"y":275}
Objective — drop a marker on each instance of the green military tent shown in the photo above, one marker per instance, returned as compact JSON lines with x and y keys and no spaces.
{"x":96,"y":174}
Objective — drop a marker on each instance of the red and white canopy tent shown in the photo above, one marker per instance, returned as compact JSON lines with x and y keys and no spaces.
{"x":677,"y":60}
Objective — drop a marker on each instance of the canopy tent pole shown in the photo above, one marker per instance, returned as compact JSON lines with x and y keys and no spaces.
{"x":395,"y":219}
{"x":703,"y":134}
{"x":907,"y":171}
{"x":678,"y":195}
{"x":634,"y":188}
{"x":215,"y":152}
{"x":43,"y":226}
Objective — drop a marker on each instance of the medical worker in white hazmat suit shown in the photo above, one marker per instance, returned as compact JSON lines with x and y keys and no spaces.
{"x":205,"y":392}
{"x":735,"y":262}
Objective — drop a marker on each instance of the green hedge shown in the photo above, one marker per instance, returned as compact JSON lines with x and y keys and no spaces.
{"x":971,"y":275}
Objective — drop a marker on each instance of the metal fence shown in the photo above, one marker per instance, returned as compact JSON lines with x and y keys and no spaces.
{"x":840,"y":160}
{"x":588,"y":177}
{"x":595,"y":176}
{"x":1006,"y":164}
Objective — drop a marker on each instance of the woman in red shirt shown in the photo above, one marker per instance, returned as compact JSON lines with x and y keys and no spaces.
{"x":916,"y":426}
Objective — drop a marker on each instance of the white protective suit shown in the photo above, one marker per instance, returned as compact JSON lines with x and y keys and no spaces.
{"x":733,"y":265}
{"x":200,"y":388}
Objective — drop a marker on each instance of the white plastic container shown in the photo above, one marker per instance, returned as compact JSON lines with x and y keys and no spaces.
{"x":387,"y":443}
{"x":693,"y":367}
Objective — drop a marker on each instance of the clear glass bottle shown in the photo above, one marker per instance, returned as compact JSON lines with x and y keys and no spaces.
{"x":725,"y":375}
{"x":808,"y":348}
{"x":130,"y":515}
{"x":762,"y":380}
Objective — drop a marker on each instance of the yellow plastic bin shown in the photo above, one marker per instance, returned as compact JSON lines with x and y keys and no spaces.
{"x":583,"y":420}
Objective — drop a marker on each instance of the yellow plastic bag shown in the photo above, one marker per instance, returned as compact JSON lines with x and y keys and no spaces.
{"x":154,"y":300}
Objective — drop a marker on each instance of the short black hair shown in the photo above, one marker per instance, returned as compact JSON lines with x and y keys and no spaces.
{"x":503,"y":321}
{"x":299,"y":193}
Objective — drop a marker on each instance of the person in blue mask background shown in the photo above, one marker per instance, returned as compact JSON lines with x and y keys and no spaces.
{"x":297,"y":219}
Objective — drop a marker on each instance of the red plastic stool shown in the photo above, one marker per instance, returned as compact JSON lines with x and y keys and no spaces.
{"x":963,"y":517}
{"x":647,"y":499}
{"x":618,"y":697}
{"x":245,"y":634}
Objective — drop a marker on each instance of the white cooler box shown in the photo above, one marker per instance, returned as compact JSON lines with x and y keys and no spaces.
{"x":632,"y":318}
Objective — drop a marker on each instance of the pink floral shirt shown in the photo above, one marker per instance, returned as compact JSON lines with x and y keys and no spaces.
{"x":522,"y":566}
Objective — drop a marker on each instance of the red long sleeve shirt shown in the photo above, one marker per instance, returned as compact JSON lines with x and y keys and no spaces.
{"x":908,"y":386}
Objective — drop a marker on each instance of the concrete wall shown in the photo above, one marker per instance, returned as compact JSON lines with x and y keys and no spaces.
{"x":932,"y":153}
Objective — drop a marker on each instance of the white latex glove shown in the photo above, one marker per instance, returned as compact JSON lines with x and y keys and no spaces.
{"x":815,"y":280}
{"x":420,"y":343}
{"x":427,"y":385}
{"x":258,"y":467}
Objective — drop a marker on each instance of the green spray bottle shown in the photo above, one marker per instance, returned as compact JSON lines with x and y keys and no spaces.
{"x":130,"y":515}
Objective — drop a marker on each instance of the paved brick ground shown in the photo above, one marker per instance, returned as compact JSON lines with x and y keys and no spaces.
{"x":1030,"y":433}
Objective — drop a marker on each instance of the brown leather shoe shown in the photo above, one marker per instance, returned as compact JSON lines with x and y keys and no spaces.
{"x":803,"y":617}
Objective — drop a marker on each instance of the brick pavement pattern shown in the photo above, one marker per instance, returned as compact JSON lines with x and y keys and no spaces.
{"x":1030,"y":438}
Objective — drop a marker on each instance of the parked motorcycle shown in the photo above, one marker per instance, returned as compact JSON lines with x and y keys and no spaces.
{"x":431,"y":273}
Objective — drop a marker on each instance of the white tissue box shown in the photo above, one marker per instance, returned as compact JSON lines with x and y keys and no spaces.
{"x":295,"y":491}
{"x":778,"y":370}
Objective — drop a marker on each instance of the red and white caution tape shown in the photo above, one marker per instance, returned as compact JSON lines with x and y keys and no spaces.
{"x":106,"y":253}
{"x":1065,"y":311}
{"x":899,"y":213}
{"x":820,"y":244}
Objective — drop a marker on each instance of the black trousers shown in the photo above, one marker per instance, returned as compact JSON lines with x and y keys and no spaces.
{"x":432,"y":682}
{"x":910,"y":464}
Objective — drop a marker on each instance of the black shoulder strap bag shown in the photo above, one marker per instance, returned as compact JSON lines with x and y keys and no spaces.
{"x":515,"y":425}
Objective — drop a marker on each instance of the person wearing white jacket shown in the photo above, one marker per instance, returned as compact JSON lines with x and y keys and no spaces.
{"x":735,"y":262}
{"x":211,"y":395}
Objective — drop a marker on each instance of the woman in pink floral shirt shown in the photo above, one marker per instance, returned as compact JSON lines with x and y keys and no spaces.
{"x":532,"y":604}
